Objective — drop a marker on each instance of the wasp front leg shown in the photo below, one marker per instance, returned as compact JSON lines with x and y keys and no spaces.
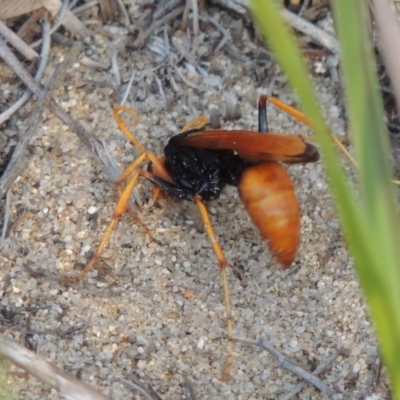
{"x":131,"y":174}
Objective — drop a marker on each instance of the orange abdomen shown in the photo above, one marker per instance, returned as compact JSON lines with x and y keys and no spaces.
{"x":267,"y":191}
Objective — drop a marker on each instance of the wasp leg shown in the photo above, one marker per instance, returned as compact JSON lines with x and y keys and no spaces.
{"x":167,"y":186}
{"x":198,"y":123}
{"x":184,"y":194}
{"x":158,"y":167}
{"x":340,"y":140}
{"x":119,"y":210}
{"x":284,"y":107}
{"x":157,"y":194}
{"x":222,"y":265}
{"x":122,"y":125}
{"x":263,"y":125}
{"x":120,"y":181}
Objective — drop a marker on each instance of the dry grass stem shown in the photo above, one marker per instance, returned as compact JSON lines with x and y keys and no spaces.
{"x":321,"y":368}
{"x":389,"y":30}
{"x":138,"y":387}
{"x":44,"y":57}
{"x":17,"y":163}
{"x":97,"y":148}
{"x":68,"y":386}
{"x":17,"y":42}
{"x":139,"y":42}
{"x":312,"y":31}
{"x":290,"y":366}
{"x":69,"y":20}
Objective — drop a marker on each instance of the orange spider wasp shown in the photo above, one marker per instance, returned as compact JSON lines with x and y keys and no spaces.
{"x":197,"y":164}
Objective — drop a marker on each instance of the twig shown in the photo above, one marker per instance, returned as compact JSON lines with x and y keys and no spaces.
{"x":185,"y":15}
{"x":304,"y":7}
{"x":164,"y":8}
{"x":17,"y":164}
{"x":6,"y":218}
{"x":67,"y":386}
{"x":389,"y":30}
{"x":186,"y":81}
{"x":225,"y":34}
{"x":195,"y":10}
{"x":184,"y":53}
{"x":44,"y":57}
{"x":136,"y":387}
{"x":83,"y":7}
{"x":61,"y":13}
{"x":316,"y":372}
{"x":298,"y":23}
{"x":124,"y":14}
{"x":62,"y":40}
{"x":172,"y":81}
{"x":128,"y":89}
{"x":88,"y":62}
{"x":160,"y":89}
{"x":73,"y":3}
{"x":166,"y":42}
{"x":312,"y":31}
{"x":108,"y":10}
{"x":96,"y":147}
{"x":29,"y":27}
{"x":239,"y":6}
{"x":17,"y":42}
{"x":70,"y":21}
{"x":287,"y":364}
{"x":114,"y":67}
{"x":169,"y":17}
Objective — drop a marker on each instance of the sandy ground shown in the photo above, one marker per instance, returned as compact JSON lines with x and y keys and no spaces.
{"x":155,"y":311}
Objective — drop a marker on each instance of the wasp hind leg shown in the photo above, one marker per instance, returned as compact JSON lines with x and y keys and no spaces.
{"x":223,"y":263}
{"x":340,"y":142}
{"x":184,"y":194}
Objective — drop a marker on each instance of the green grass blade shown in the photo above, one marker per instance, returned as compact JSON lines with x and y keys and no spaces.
{"x":371,"y":230}
{"x":370,"y":136}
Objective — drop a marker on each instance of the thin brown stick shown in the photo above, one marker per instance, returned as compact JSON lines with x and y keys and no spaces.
{"x":290,"y":366}
{"x":17,"y":42}
{"x":29,"y":27}
{"x":68,"y":386}
{"x":108,"y":11}
{"x":311,"y":30}
{"x":44,"y":57}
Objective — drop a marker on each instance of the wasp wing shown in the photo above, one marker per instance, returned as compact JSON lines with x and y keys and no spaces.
{"x":253,"y":146}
